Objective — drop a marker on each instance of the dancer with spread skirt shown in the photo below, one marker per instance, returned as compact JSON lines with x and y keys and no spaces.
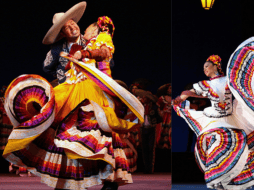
{"x":69,"y":135}
{"x":224,"y":147}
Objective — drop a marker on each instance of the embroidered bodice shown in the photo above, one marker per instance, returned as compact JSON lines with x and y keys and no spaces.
{"x":103,"y":39}
{"x":54,"y":64}
{"x":218,"y":92}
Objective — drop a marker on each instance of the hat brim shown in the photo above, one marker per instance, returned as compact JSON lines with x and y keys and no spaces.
{"x":75,"y":13}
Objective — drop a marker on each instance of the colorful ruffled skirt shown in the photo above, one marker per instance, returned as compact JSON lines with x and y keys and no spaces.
{"x":223,"y":149}
{"x":225,"y":145}
{"x":130,"y":151}
{"x":66,"y":135}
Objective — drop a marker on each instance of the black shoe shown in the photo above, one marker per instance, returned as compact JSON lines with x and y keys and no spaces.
{"x":110,"y":186}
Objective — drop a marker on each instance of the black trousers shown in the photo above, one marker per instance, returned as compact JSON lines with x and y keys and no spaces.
{"x":148,"y":148}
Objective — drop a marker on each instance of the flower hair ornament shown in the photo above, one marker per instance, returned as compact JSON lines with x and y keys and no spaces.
{"x":104,"y":22}
{"x":216,"y":60}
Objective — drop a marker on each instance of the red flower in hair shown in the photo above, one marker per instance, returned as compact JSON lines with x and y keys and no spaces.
{"x":104,"y":22}
{"x":215,"y":59}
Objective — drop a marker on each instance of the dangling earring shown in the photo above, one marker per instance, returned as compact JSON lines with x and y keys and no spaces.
{"x":216,"y":73}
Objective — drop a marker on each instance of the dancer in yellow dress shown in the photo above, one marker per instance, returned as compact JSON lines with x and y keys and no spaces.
{"x":68,"y":135}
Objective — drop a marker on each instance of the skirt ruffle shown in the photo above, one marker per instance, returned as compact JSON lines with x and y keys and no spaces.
{"x":130,"y":151}
{"x":58,"y":134}
{"x":224,"y":147}
{"x":240,"y":71}
{"x":222,"y":154}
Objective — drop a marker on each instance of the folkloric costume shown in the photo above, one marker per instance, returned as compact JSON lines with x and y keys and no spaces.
{"x":67,"y":135}
{"x":128,"y":139}
{"x":54,"y":64}
{"x":5,"y":124}
{"x":148,"y":135}
{"x":5,"y":130}
{"x":148,"y":129}
{"x":163,"y":130}
{"x":224,"y":148}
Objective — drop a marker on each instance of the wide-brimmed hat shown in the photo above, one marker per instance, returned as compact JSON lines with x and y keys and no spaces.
{"x":59,"y":19}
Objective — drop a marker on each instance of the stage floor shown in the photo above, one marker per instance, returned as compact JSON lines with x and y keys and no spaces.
{"x":198,"y":186}
{"x":141,"y":181}
{"x":189,"y":187}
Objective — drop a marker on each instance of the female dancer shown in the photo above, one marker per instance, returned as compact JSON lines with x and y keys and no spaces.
{"x":224,"y":145}
{"x":68,"y":135}
{"x":164,"y":133}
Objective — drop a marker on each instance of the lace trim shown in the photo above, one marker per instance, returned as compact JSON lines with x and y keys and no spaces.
{"x":217,"y":116}
{"x":73,"y":76}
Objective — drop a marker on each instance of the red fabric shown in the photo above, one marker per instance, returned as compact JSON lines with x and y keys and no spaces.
{"x":74,"y":49}
{"x":5,"y":118}
{"x":158,"y":132}
{"x":166,"y":109}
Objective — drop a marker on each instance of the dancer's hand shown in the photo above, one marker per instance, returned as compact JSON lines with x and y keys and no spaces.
{"x":77,"y":55}
{"x":177,"y":100}
{"x":64,"y":54}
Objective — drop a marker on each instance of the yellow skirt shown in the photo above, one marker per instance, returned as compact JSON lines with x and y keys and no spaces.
{"x":69,"y":96}
{"x":80,"y":150}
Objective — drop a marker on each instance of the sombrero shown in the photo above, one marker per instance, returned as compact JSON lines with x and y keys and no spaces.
{"x":75,"y":13}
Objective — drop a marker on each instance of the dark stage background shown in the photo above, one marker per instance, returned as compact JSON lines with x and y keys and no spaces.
{"x":142,"y":41}
{"x":197,"y":34}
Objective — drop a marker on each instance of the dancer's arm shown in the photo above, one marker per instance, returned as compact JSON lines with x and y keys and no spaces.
{"x":185,"y":94}
{"x":97,"y":54}
{"x":190,"y":93}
